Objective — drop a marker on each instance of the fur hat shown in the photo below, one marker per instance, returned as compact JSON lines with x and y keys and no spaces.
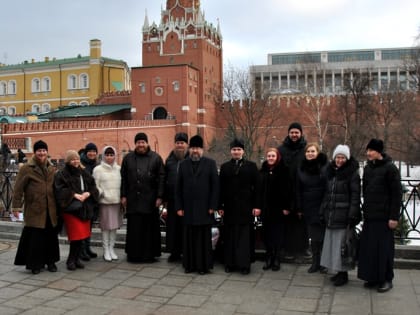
{"x":295,"y":125}
{"x":342,"y":149}
{"x":196,"y":142}
{"x":40,"y":145}
{"x":141,"y":136}
{"x":237,"y":143}
{"x":70,"y":155}
{"x":376,"y":145}
{"x":91,"y":147}
{"x":181,"y":136}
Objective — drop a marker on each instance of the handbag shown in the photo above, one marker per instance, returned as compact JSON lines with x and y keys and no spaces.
{"x":74,"y":207}
{"x":350,"y":247}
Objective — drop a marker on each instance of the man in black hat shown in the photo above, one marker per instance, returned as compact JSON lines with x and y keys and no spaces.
{"x":142,"y":187}
{"x":196,"y":197}
{"x":173,"y":221}
{"x":292,"y":152}
{"x":239,"y":188}
{"x":382,"y":194}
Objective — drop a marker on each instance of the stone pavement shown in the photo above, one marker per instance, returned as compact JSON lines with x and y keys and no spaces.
{"x":163,"y":288}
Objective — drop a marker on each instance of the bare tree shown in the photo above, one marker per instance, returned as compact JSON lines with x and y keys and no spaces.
{"x":247,"y":111}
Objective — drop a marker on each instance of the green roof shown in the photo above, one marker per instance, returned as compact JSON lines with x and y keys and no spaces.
{"x":84,"y":111}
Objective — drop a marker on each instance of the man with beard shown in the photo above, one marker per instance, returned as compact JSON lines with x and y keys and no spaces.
{"x":196,"y":197}
{"x":292,"y":152}
{"x":239,"y":188}
{"x":142,"y":187}
{"x":173,"y":221}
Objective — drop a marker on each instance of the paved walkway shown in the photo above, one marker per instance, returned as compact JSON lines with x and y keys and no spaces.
{"x":163,"y":288}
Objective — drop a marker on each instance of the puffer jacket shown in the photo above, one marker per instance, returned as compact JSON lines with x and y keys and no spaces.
{"x":108,"y":180}
{"x":382,"y":192}
{"x":341,"y":204}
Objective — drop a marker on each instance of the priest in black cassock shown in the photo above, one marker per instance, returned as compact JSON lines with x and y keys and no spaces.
{"x":196,"y":198}
{"x":239,"y":188}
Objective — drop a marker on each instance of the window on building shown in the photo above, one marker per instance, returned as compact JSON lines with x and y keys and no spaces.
{"x":176,"y":86}
{"x":35,"y":108}
{"x":36,"y":85}
{"x":45,"y":108}
{"x":12,"y":88}
{"x":3,"y":111}
{"x":46,"y":84}
{"x":84,"y":81}
{"x":72,"y":82}
{"x":84,"y":103}
{"x":72,"y":104}
{"x":3,"y":88}
{"x":142,"y":87}
{"x":11,"y":110}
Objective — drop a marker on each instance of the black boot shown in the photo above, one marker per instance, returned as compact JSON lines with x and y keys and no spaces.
{"x":89,"y":251}
{"x":77,"y":261}
{"x":83,"y":255}
{"x":268,"y":260}
{"x":342,"y":278}
{"x":316,"y":257}
{"x":71,"y":259}
{"x":276,"y":261}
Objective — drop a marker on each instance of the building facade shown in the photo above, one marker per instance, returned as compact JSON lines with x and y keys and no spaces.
{"x":322,"y":72}
{"x":37,"y":87}
{"x":182,"y":69}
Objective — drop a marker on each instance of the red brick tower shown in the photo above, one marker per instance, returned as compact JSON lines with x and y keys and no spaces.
{"x":182,"y":69}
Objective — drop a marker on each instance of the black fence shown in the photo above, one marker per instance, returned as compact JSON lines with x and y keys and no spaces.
{"x":408,"y":230}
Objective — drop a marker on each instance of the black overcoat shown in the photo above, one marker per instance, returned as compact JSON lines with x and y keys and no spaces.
{"x":197,"y":193}
{"x":239,"y":191}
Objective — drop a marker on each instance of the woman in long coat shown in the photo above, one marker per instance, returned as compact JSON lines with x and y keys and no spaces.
{"x":108,"y":181}
{"x":275,"y":206}
{"x":73,"y":182}
{"x":340,"y":208}
{"x":38,"y":245}
{"x":310,"y":182}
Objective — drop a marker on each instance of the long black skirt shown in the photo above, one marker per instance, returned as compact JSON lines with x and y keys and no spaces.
{"x":238,"y":245}
{"x":197,"y":249}
{"x":38,"y":247}
{"x":273,"y":234}
{"x":142,"y":242}
{"x":376,"y":254}
{"x":296,"y":242}
{"x":174,"y":227}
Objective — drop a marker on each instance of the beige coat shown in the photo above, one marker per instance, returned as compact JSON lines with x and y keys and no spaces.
{"x":35,"y":192}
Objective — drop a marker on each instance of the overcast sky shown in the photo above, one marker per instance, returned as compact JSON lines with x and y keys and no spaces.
{"x":250,"y":28}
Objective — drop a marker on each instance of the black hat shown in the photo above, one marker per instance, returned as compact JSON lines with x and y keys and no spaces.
{"x":91,"y":147}
{"x":237,"y":143}
{"x":181,"y":136}
{"x":140,"y":136}
{"x":40,"y":145}
{"x":295,"y":125}
{"x":376,"y":145}
{"x":196,"y":142}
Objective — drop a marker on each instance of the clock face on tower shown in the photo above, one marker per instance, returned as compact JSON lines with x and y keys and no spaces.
{"x":158,"y":91}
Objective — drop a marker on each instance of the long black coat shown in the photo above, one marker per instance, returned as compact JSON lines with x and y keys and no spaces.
{"x":382,"y":192}
{"x":310,"y":187}
{"x":197,"y":192}
{"x":341,"y":204}
{"x":239,"y":190}
{"x":275,"y":192}
{"x":171,"y":171}
{"x":142,"y":181}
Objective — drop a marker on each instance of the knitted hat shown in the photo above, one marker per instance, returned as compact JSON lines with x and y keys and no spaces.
{"x":342,"y":149}
{"x":295,"y":125}
{"x":91,"y":147}
{"x":70,"y":155}
{"x":40,"y":145}
{"x":376,"y":145}
{"x":196,"y":142}
{"x":181,"y":136}
{"x":141,"y":136}
{"x":237,"y":143}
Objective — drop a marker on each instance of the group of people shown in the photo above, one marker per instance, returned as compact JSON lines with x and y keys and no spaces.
{"x":303,"y":199}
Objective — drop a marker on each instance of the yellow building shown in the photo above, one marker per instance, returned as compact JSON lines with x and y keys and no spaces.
{"x":37,"y":87}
